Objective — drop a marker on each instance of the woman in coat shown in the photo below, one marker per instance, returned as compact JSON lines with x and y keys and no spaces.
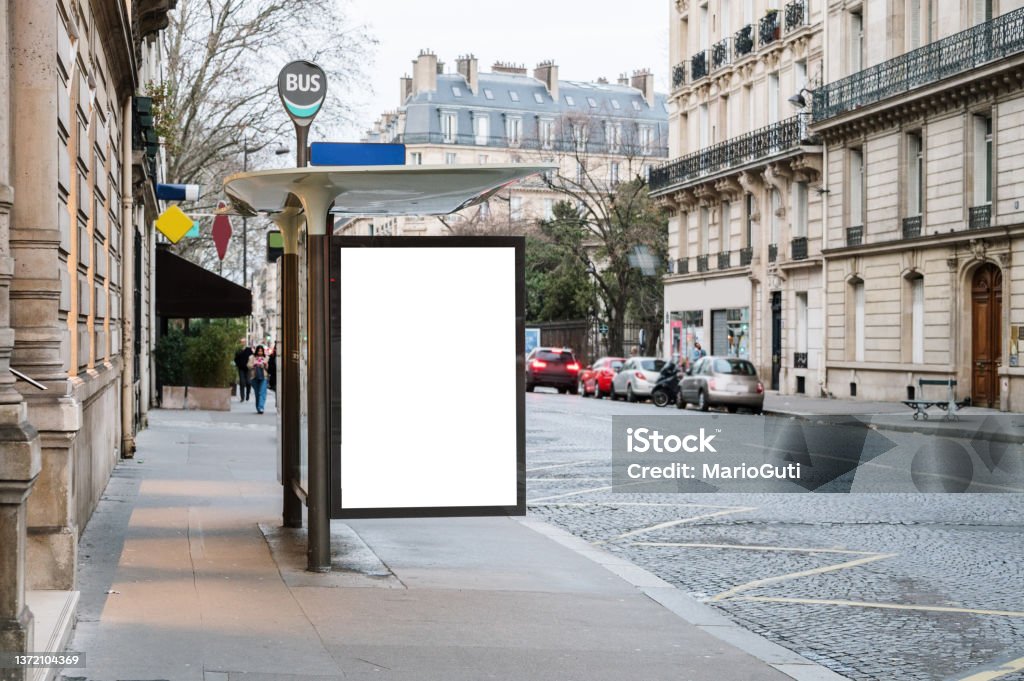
{"x":258,"y":374}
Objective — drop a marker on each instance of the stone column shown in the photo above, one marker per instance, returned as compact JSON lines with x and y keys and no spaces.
{"x":19,"y":443}
{"x":36,"y":287}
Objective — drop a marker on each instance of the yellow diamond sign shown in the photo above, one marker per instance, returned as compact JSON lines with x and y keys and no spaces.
{"x":174,"y":224}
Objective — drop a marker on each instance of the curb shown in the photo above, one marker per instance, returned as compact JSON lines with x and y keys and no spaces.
{"x":704,"y":617}
{"x":916,"y":427}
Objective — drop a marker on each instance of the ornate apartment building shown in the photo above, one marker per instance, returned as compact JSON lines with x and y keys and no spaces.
{"x":78,"y":158}
{"x":595,"y":132}
{"x":922,"y":119}
{"x":744,"y":187}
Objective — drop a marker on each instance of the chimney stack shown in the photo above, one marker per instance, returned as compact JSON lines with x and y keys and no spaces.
{"x":508,"y":67}
{"x":467,"y":66}
{"x":623,"y":79}
{"x":643,"y":80}
{"x":547,"y":73}
{"x":405,"y":89}
{"x":424,"y":73}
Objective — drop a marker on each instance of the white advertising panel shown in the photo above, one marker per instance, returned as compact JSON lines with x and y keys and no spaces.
{"x":428,"y":409}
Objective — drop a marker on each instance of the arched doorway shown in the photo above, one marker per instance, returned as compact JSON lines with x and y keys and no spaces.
{"x":986,"y":334}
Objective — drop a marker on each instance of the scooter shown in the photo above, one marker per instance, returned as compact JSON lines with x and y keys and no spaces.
{"x":667,"y":387}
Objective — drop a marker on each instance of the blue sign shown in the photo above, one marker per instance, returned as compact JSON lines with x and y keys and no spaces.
{"x":356,"y":154}
{"x":532,"y":339}
{"x":177,"y":192}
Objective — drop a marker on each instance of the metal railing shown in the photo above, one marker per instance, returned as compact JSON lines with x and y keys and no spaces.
{"x":912,"y":227}
{"x":698,"y":66}
{"x":724,"y":259}
{"x":979,"y":217}
{"x":683,"y":266}
{"x":799,"y":360}
{"x":721,"y":54}
{"x":773,"y":252}
{"x":743,"y":41}
{"x":798,"y":248}
{"x":560,"y":142}
{"x":796,"y":15}
{"x":768,"y":28}
{"x":762,"y":143}
{"x":702,"y":263}
{"x":855,"y":235}
{"x":960,"y":52}
{"x":678,"y":76}
{"x":746,"y":256}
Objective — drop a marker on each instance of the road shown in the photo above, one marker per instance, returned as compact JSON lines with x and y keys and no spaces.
{"x":873,"y":586}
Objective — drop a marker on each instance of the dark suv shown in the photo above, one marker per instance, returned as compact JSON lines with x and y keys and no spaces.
{"x":553,"y":368}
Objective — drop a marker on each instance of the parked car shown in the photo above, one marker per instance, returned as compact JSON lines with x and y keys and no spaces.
{"x":552,"y":368}
{"x":636,"y":378}
{"x":596,"y":380}
{"x":728,"y":382}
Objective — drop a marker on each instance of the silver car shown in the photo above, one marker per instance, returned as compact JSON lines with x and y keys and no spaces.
{"x":721,"y":381}
{"x":636,"y":378}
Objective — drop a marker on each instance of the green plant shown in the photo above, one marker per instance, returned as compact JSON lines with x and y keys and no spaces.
{"x":209,"y":354}
{"x":169,"y":355}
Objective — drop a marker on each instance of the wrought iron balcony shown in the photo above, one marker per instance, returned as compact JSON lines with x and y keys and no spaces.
{"x":768,"y":28}
{"x":723,"y":260}
{"x":560,"y":142}
{"x":773,"y":252}
{"x":746,"y":256}
{"x":683,"y":266}
{"x":753,"y":146}
{"x":980,"y":217}
{"x":799,"y":360}
{"x":678,"y":76}
{"x":796,"y":15}
{"x":721,"y":54}
{"x":986,"y":42}
{"x":702,"y":263}
{"x":698,"y":66}
{"x":855,"y":235}
{"x":798,"y":248}
{"x":912,"y":227}
{"x":743,"y":41}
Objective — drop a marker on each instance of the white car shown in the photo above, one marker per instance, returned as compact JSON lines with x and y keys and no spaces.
{"x":636,"y":378}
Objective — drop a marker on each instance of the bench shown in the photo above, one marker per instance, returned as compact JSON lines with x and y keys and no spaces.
{"x":950,"y":405}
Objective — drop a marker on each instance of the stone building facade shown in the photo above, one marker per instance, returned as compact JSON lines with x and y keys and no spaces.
{"x":607,"y":132}
{"x":743,"y":187}
{"x":76,"y":202}
{"x":922,"y":117}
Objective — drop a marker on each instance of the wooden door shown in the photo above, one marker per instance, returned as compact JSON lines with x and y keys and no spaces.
{"x":986,"y":335}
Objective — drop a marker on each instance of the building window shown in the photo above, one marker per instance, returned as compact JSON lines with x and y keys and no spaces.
{"x":549,"y":209}
{"x":513,"y":95}
{"x":982,"y":11}
{"x":856,"y":42}
{"x":592,"y":102}
{"x":415,"y":158}
{"x":612,"y":136}
{"x":485,"y":210}
{"x":726,"y":227}
{"x":570,"y":101}
{"x":913,"y":24}
{"x":456,"y":90}
{"x":855,"y":209}
{"x":776,"y":208}
{"x":579,"y":136}
{"x":773,"y":97}
{"x":581,"y":171}
{"x":546,"y":132}
{"x":482,"y":159}
{"x":855,"y":319}
{"x":616,"y":105}
{"x":515,"y":207}
{"x":538,"y":97}
{"x":514,"y":129}
{"x":693,"y":331}
{"x":724,"y":124}
{"x":450,"y":159}
{"x":799,"y":209}
{"x":915,"y":174}
{"x":916,"y":290}
{"x":488,"y":93}
{"x":705,"y":125}
{"x":645,"y":172}
{"x":636,"y":105}
{"x":481,"y":128}
{"x":801,"y":322}
{"x":449,"y":126}
{"x":748,"y":221}
{"x":705,"y":231}
{"x":982,"y":160}
{"x":613,"y":172}
{"x":646,"y":139}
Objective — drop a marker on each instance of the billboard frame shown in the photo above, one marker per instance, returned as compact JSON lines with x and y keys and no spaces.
{"x":337,"y":243}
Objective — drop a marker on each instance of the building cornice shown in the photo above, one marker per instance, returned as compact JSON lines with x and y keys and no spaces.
{"x":115,"y":31}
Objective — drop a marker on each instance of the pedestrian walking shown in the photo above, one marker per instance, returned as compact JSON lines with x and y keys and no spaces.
{"x":272,"y":369}
{"x":242,"y":364}
{"x":258,"y":369}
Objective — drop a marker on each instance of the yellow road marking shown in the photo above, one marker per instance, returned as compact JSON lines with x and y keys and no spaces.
{"x":679,"y":521}
{"x":886,"y":606}
{"x":747,"y":547}
{"x":1000,"y":671}
{"x":803,"y":573}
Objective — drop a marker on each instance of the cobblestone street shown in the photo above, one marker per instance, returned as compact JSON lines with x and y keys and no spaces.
{"x":872,"y":586}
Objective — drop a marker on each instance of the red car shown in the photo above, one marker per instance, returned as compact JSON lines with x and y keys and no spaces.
{"x":553,"y":368}
{"x":596,"y":380}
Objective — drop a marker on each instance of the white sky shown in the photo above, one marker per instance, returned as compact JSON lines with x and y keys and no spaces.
{"x":586,"y":38}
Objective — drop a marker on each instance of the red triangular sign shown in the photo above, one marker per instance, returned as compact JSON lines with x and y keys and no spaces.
{"x":221,"y":232}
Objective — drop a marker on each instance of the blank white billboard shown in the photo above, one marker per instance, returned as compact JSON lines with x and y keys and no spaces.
{"x":430,"y":406}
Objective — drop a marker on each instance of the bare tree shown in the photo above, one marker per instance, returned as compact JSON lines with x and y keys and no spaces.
{"x":219,"y":93}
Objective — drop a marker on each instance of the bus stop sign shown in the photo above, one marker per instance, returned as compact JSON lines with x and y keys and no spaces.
{"x":302,"y":86}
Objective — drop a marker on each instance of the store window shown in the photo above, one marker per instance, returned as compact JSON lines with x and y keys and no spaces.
{"x":730,"y":332}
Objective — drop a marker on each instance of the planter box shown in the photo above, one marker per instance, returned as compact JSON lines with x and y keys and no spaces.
{"x":206,"y":399}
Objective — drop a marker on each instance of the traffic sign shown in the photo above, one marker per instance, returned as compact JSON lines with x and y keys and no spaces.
{"x":356,"y":154}
{"x":302,"y":86}
{"x":603,"y":329}
{"x":221,"y":232}
{"x":174,"y":224}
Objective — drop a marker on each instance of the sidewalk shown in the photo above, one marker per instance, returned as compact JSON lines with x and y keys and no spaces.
{"x":187,"y":575}
{"x":971,"y":422}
